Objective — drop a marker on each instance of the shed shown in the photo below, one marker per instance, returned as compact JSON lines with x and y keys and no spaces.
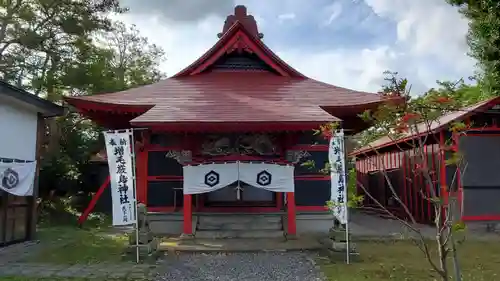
{"x":22,"y":117}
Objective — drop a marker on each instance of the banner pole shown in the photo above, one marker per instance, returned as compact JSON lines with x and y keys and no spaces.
{"x":347,"y":231}
{"x":346,"y":195}
{"x":135,"y":198}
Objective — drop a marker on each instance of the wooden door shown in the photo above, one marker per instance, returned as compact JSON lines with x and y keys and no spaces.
{"x":15,"y":212}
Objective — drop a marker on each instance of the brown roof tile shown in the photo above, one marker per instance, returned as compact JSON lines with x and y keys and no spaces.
{"x":227,"y":96}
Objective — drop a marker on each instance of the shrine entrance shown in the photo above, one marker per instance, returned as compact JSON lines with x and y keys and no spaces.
{"x":239,"y":186}
{"x":240,"y":194}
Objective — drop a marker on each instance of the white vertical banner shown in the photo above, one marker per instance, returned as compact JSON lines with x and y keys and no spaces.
{"x":336,"y":157}
{"x":120,"y":162}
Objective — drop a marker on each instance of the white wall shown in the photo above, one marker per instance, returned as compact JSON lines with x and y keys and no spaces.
{"x":18,"y":126}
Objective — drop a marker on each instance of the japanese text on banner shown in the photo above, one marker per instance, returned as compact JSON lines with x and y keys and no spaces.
{"x":338,"y":178}
{"x":120,"y":161}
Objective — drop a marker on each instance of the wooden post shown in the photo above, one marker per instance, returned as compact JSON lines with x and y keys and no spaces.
{"x":188,"y":225}
{"x":292,"y":224}
{"x":33,"y":201}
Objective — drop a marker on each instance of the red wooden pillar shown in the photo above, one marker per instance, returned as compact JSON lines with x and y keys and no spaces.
{"x":442,"y":169}
{"x":188,"y":225}
{"x":290,"y":203}
{"x":141,"y":174}
{"x":279,"y":200}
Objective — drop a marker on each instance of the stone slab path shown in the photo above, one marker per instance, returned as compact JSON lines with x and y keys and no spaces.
{"x":131,"y":271}
{"x":11,"y":264}
{"x":370,"y":226}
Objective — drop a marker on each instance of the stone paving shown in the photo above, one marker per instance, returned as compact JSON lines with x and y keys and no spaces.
{"x":249,"y":266}
{"x":103,"y":271}
{"x":12,"y":264}
{"x":258,"y":266}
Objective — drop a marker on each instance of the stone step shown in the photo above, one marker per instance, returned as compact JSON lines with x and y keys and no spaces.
{"x":244,"y":219}
{"x":255,"y":225}
{"x":223,"y":234}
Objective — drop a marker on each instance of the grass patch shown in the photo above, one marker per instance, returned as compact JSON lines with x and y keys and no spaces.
{"x":403,"y":261}
{"x":69,"y":244}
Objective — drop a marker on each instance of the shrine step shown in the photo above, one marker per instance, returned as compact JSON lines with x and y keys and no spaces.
{"x":239,"y":226}
{"x":223,"y":234}
{"x":254,"y":225}
{"x":238,"y":219}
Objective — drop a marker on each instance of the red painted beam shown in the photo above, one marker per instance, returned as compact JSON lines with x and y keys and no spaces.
{"x":481,"y":218}
{"x":92,"y":203}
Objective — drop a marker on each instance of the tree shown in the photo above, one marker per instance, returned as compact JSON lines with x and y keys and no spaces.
{"x":398,"y":120}
{"x":56,"y":48}
{"x":119,"y":60}
{"x":461,"y":93}
{"x":484,"y":39}
{"x":39,"y":39}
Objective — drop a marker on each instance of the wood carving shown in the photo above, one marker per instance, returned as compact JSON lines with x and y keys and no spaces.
{"x":297,"y":156}
{"x":256,"y":144}
{"x":217,"y":146}
{"x":182,"y":156}
{"x":259,"y":144}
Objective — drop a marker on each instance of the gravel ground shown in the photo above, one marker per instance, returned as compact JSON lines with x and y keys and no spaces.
{"x":267,"y":266}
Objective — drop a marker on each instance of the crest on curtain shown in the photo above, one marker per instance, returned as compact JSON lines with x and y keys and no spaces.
{"x":264,"y":178}
{"x":212,"y":178}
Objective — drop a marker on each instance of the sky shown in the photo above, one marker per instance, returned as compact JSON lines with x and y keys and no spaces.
{"x":348,"y":43}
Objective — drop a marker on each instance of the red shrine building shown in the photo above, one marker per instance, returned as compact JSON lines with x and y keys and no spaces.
{"x":474,"y":181}
{"x":238,"y":103}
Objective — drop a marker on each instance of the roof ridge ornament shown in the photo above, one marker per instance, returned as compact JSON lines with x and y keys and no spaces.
{"x":248,"y":21}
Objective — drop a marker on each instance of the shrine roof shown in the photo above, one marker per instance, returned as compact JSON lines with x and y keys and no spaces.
{"x":241,"y":95}
{"x":425,"y":128}
{"x":238,"y":80}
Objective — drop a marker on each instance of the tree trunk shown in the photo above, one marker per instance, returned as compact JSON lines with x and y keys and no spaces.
{"x":52,"y":95}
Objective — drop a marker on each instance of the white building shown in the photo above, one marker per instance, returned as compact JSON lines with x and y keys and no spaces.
{"x":22,"y":116}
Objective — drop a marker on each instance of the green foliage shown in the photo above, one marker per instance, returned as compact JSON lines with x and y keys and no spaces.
{"x":354,"y":200}
{"x":459,"y":227}
{"x":447,"y":97}
{"x":57,"y":48}
{"x":400,"y":260}
{"x":484,"y":40}
{"x":454,"y":158}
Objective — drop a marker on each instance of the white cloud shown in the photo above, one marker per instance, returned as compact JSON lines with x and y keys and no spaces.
{"x":428,"y":28}
{"x":334,"y":11}
{"x":356,"y":69}
{"x":183,"y":43}
{"x":430,"y":44}
{"x":284,"y":17}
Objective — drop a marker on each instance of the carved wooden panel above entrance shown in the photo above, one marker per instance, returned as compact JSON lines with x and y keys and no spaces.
{"x":245,"y":144}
